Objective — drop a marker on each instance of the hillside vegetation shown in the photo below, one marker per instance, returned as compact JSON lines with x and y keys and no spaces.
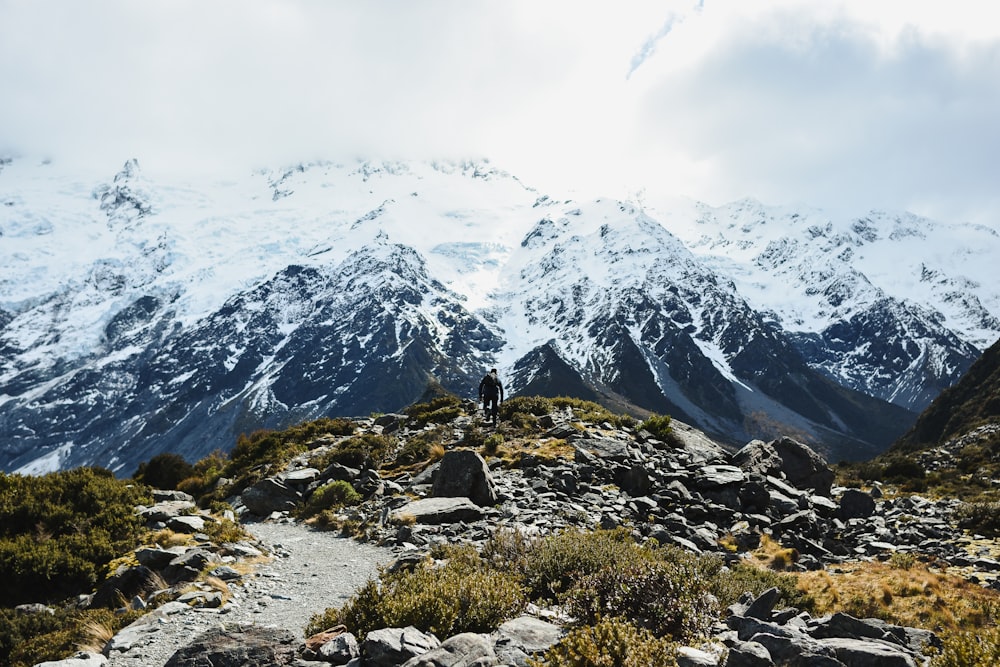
{"x":633,"y":602}
{"x":953,"y":450}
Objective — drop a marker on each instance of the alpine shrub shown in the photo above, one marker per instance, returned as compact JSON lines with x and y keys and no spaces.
{"x":328,"y":496}
{"x":462,"y":595}
{"x":659,"y":427}
{"x":556,"y":562}
{"x":439,"y":410}
{"x":59,"y":531}
{"x":669,"y":597}
{"x":609,"y":643}
{"x":975,"y":648}
{"x":163,"y":471}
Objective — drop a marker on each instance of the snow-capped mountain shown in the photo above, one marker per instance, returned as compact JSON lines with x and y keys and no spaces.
{"x":142,"y":313}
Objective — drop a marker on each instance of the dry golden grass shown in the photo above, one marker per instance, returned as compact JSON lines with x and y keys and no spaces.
{"x":774,"y":556}
{"x":167,"y":538}
{"x":548,"y":449}
{"x":95,"y":636}
{"x":915,"y":596}
{"x":436,"y":451}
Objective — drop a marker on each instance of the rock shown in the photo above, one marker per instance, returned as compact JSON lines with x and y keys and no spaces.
{"x":715,"y":476}
{"x":803,"y":467}
{"x":438,"y":510}
{"x":464,"y":473}
{"x":856,"y":504}
{"x":138,"y":580}
{"x":270,"y":495}
{"x":688,"y":656}
{"x":156,"y":558}
{"x":340,"y":650}
{"x":187,"y":524}
{"x":602,"y":448}
{"x":463,"y":650}
{"x":81,"y":659}
{"x":528,"y":634}
{"x":300,"y":477}
{"x":34,"y":608}
{"x":225,"y":573}
{"x":161,"y":495}
{"x":748,"y":654}
{"x":250,"y":646}
{"x":633,"y":480}
{"x":187,"y":566}
{"x":763,"y":604}
{"x":758,"y":457}
{"x":166,"y":510}
{"x":858,"y":653}
{"x":391,"y":647}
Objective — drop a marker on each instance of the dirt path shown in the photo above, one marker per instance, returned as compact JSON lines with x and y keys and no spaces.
{"x":313,"y":571}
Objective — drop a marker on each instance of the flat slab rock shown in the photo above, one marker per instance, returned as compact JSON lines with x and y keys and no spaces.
{"x":439,"y":510}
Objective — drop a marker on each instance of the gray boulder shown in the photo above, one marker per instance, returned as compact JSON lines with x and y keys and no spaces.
{"x":125,"y":585}
{"x":157,"y":558}
{"x":519,"y":638}
{"x":803,"y":467}
{"x":166,"y":510}
{"x":340,"y":650}
{"x":188,"y":565}
{"x":438,"y":510}
{"x":856,"y":504}
{"x":463,"y":650}
{"x":391,"y":647}
{"x":464,"y":474}
{"x":82,"y":659}
{"x":270,"y":495}
{"x":800,"y":465}
{"x":860,"y":653}
{"x":250,"y":646}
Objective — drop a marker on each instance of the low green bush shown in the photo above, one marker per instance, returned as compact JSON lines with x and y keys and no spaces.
{"x":330,"y":496}
{"x":462,"y":595}
{"x":592,"y":412}
{"x":609,"y":643}
{"x":439,"y":410}
{"x":59,"y":531}
{"x":361,"y":451}
{"x":969,"y":648}
{"x":29,"y":639}
{"x":164,"y":471}
{"x":532,"y":405}
{"x":554,"y":563}
{"x":669,"y":595}
{"x":659,"y":427}
{"x":981,"y":517}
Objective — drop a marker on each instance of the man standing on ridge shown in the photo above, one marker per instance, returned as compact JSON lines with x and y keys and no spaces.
{"x":490,"y":389}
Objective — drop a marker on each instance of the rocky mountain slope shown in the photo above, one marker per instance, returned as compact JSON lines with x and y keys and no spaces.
{"x":973,"y":403}
{"x":564,"y":473}
{"x":142,"y":313}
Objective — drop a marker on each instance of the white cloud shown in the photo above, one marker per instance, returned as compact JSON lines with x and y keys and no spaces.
{"x":835,"y":104}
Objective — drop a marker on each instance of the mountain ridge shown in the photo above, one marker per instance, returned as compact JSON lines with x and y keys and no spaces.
{"x":146,"y":328}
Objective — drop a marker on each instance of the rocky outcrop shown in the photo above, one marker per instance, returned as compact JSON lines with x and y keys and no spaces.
{"x":251,"y":646}
{"x":690,"y":492}
{"x":463,"y":473}
{"x":763,"y":637}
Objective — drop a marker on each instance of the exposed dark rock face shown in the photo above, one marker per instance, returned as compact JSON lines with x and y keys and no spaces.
{"x":251,"y":646}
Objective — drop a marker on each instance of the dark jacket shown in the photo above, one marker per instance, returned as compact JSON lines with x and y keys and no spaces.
{"x":490,"y":387}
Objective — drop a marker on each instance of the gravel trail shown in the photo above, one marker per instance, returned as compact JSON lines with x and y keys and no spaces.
{"x":310,"y":572}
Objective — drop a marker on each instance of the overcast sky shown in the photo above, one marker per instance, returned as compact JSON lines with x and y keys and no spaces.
{"x":841,"y":105}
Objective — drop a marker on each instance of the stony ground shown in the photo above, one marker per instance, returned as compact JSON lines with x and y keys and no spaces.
{"x":310,"y":572}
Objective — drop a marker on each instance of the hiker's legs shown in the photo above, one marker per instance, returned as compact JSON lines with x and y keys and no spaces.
{"x":493,"y":409}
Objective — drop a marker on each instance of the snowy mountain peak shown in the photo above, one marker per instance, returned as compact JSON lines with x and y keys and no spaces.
{"x":174,"y":314}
